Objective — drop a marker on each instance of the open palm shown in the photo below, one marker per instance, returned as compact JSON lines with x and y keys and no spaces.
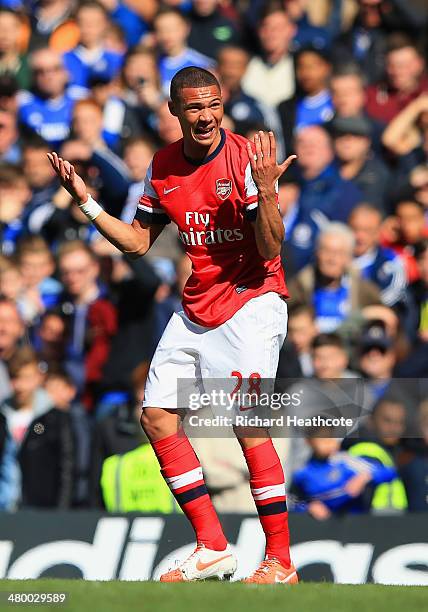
{"x":70,"y":180}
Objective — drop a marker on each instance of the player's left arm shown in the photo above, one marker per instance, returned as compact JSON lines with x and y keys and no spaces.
{"x":268,"y":227}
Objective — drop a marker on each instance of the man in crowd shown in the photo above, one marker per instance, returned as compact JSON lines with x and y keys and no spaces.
{"x":47,"y":108}
{"x":270,"y":77}
{"x":406,"y":79}
{"x":43,"y":183}
{"x":90,"y":316}
{"x":324,"y":194}
{"x":377,"y":358}
{"x":210,"y":29}
{"x":376,"y":263}
{"x":90,"y":58}
{"x":357,"y":160}
{"x":348,"y":94}
{"x":312,"y":103}
{"x":332,"y":286}
{"x":172,"y":31}
{"x":405,"y":229}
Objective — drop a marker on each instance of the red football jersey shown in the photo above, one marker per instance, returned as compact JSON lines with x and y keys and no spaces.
{"x":213,"y":203}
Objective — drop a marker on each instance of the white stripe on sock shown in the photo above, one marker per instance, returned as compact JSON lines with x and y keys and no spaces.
{"x":267,"y":492}
{"x":176,"y":482}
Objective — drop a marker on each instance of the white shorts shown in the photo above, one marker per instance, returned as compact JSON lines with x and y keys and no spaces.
{"x":247,"y":343}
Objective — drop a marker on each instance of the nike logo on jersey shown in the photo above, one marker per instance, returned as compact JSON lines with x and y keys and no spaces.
{"x":200,"y":565}
{"x":165,"y":191}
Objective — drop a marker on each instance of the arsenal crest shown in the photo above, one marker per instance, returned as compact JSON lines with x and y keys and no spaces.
{"x":223,"y":188}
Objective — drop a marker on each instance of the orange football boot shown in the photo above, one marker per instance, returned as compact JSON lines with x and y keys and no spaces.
{"x":204,"y":564}
{"x":270,"y":571}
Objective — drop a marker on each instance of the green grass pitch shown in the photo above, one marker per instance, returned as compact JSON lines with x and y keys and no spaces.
{"x":116,"y":596}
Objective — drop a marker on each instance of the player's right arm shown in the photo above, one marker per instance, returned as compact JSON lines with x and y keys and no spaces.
{"x":133,"y":240}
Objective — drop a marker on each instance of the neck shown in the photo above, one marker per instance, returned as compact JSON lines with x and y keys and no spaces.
{"x":310,"y":174}
{"x":316,"y":92}
{"x":176,"y":51}
{"x":275,"y":56}
{"x":28,"y":405}
{"x":9,"y":57}
{"x":91,"y":46}
{"x":7,"y":352}
{"x":198,"y":152}
{"x":87,"y":296}
{"x":411,"y":87}
{"x":350,"y":169}
{"x":328,"y":281}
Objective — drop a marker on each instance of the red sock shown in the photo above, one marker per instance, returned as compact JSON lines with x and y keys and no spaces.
{"x":183,"y":473}
{"x":268,"y":490}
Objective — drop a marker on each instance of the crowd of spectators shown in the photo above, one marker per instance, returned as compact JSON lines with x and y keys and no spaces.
{"x":344,"y":85}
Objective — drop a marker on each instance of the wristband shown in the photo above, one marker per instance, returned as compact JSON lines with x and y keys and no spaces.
{"x":91,"y":208}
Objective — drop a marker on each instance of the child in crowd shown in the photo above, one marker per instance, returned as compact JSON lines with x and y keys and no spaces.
{"x":302,"y":330}
{"x":63,"y":392}
{"x":42,"y":438}
{"x":333,"y":481}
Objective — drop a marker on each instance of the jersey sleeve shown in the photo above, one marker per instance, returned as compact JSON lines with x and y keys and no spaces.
{"x":149,"y":209}
{"x":251,"y":194}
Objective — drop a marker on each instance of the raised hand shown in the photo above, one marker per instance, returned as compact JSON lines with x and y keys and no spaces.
{"x":264,"y":166}
{"x":70,"y":180}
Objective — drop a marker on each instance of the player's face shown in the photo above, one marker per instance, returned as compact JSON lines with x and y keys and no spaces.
{"x":200,"y":112}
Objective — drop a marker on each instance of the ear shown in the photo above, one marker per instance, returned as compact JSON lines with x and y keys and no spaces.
{"x":171,"y":107}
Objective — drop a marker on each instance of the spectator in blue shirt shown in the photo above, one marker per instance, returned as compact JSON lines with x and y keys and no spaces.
{"x":320,"y":36}
{"x":10,"y":147}
{"x":332,"y":286}
{"x":333,"y":481}
{"x":14,"y":195}
{"x":90,"y":58}
{"x":38,"y":172}
{"x":172,"y":31}
{"x":376,"y":263}
{"x":132,"y":22}
{"x":358,"y":161}
{"x":48,"y":107}
{"x":324,"y":194}
{"x":89,"y":146}
{"x":312,"y":104}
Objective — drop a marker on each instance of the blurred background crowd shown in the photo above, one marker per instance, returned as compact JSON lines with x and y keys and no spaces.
{"x":344,"y":85}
